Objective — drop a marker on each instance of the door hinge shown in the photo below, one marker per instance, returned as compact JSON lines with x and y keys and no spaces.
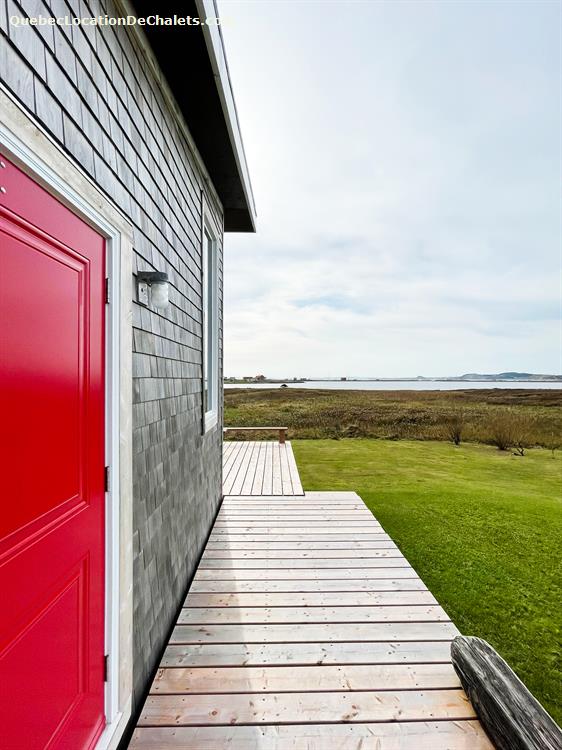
{"x":107,"y":291}
{"x":106,"y":479}
{"x":105,"y":667}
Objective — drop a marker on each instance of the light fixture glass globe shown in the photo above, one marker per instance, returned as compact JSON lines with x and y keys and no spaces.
{"x":159,"y":294}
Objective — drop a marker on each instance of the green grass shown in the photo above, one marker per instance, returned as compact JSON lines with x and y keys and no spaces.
{"x":483,"y":529}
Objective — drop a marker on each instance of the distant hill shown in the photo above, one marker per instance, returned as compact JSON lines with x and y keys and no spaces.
{"x":509,"y":376}
{"x":516,"y":377}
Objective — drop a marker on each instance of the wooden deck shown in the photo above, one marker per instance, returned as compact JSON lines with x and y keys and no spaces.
{"x":306,"y":629}
{"x":260,"y":468}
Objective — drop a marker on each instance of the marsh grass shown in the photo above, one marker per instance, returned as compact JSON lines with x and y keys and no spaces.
{"x":398,"y":415}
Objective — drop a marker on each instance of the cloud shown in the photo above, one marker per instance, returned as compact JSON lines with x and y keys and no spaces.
{"x":406,"y":164}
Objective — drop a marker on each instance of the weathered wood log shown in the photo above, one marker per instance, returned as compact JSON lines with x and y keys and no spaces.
{"x":511,"y":716}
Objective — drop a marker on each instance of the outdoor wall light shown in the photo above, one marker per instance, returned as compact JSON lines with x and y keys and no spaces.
{"x":152,"y":286}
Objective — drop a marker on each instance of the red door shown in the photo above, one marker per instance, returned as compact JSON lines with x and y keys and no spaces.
{"x":52,"y":519}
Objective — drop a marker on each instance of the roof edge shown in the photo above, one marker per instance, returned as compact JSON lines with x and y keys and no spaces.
{"x":217,"y":56}
{"x":139,"y":34}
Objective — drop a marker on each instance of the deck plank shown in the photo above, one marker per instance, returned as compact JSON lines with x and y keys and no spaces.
{"x":226,"y":451}
{"x":298,"y":615}
{"x":304,"y":574}
{"x":237,"y":471}
{"x":251,"y":468}
{"x":229,"y":465}
{"x":308,"y":599}
{"x":288,"y":513}
{"x":437,"y":735}
{"x":336,"y":516}
{"x":298,"y":526}
{"x":294,"y":472}
{"x":301,"y":708}
{"x":220,"y":655}
{"x":257,"y":484}
{"x":243,"y":464}
{"x":277,"y":485}
{"x":292,"y":502}
{"x":301,"y":547}
{"x":256,"y":530}
{"x":229,"y":536}
{"x":305,"y":679}
{"x":267,"y":485}
{"x":297,"y":555}
{"x":314,"y":632}
{"x":304,"y":627}
{"x":288,"y":503}
{"x":321,"y":584}
{"x":317,"y":498}
{"x":286,"y":479}
{"x":291,"y":564}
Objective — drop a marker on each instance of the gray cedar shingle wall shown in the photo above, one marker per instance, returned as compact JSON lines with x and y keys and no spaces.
{"x":93,"y":90}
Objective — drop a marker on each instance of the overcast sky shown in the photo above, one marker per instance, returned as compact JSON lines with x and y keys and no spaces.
{"x":405,"y":160}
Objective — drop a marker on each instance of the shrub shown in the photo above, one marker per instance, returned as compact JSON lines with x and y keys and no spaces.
{"x":501,"y":430}
{"x":454,"y":427}
{"x":523,"y":425}
{"x":511,"y":430}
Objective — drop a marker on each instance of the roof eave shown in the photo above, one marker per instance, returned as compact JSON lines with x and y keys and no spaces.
{"x":234,"y":221}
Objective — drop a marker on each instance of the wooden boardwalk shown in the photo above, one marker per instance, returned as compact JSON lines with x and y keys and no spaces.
{"x":260,"y":468}
{"x":306,"y":629}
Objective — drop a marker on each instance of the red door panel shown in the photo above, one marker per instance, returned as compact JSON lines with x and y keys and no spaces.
{"x":52,"y":521}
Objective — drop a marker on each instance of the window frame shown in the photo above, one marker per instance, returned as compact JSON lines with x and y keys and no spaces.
{"x":209,"y":325}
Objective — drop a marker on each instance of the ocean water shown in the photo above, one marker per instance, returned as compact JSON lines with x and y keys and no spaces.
{"x":403,"y":385}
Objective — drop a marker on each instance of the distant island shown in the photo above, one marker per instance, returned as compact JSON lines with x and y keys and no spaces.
{"x":517,"y":376}
{"x":484,"y":377}
{"x":500,"y":377}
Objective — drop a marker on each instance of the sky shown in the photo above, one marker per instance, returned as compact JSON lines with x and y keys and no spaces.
{"x":405,"y":159}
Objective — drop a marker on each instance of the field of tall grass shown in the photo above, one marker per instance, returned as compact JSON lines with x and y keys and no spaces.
{"x":494,"y":416}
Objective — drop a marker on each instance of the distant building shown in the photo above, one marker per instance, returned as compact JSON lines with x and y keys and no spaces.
{"x":260,"y":378}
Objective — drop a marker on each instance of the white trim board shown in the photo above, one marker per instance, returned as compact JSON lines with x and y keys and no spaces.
{"x":209,"y":232}
{"x":32,"y":149}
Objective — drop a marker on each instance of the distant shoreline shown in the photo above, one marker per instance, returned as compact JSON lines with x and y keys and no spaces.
{"x":233,"y":381}
{"x":398,"y":385}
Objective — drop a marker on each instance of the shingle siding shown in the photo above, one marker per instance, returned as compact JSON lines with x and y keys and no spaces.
{"x":93,"y":90}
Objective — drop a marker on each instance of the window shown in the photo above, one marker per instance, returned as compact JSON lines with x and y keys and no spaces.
{"x":210,"y":330}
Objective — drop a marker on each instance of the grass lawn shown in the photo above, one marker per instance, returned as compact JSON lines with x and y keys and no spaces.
{"x":482,"y":528}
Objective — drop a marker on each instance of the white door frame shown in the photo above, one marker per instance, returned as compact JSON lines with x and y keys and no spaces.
{"x":31,"y":148}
